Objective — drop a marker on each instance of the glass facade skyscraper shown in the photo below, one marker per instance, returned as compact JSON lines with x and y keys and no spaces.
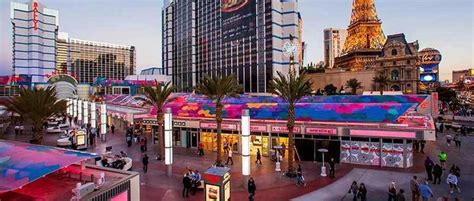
{"x":90,"y":59}
{"x":35,"y":30}
{"x":222,"y":37}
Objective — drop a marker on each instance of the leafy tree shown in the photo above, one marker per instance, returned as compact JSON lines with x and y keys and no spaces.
{"x":291,"y":89}
{"x":382,"y":81}
{"x":35,"y":106}
{"x":217,"y":89}
{"x":330,"y":89}
{"x":353,"y":84}
{"x":158,"y":96}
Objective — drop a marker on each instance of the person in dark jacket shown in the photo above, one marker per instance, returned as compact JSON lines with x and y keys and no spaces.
{"x":429,"y":168}
{"x":259,"y":157}
{"x":145,"y":163}
{"x":362,"y":193}
{"x":437,"y":172}
{"x":251,"y":188}
{"x":400,"y":195}
{"x":186,"y":185}
{"x":332,"y":168}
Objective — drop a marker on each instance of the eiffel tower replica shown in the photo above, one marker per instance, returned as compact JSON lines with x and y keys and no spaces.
{"x":365,"y":38}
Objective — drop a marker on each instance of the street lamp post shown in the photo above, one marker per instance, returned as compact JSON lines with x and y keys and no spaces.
{"x":245,"y":123}
{"x":168,"y":141}
{"x":93,"y":115}
{"x":79,"y":112}
{"x":86,"y":113}
{"x":103,"y":121}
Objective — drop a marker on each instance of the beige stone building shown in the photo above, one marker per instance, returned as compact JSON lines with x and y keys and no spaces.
{"x":399,"y":62}
{"x":338,"y":78}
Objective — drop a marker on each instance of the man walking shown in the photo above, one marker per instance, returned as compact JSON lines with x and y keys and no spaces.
{"x":415,"y":189}
{"x":443,"y":157}
{"x":437,"y":172}
{"x":332,"y":168}
{"x":425,"y":191}
{"x":186,"y":185}
{"x":112,"y":128}
{"x":145,"y":163}
{"x":259,"y":157}
{"x":429,"y":164}
{"x":229,"y":157}
{"x":251,"y":188}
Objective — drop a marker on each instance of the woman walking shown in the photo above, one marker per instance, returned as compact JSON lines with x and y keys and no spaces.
{"x":453,"y":183}
{"x":354,"y":189}
{"x":251,"y":188}
{"x":362,"y":194}
{"x":392,"y":192}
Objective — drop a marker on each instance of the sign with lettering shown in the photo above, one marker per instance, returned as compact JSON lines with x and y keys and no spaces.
{"x":326,"y":131}
{"x":284,"y":129}
{"x":185,"y":124}
{"x":223,"y":126}
{"x":35,"y":15}
{"x":258,"y":128}
{"x":379,"y":133}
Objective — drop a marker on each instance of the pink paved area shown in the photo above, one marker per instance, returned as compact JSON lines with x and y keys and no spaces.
{"x":271,"y":185}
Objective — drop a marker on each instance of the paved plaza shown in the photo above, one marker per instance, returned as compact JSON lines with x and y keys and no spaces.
{"x":272,"y":185}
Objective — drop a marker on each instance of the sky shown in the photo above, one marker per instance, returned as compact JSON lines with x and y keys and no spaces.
{"x":446,"y":25}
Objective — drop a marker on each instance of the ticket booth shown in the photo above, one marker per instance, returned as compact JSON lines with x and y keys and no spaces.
{"x":80,"y":140}
{"x":217,"y":184}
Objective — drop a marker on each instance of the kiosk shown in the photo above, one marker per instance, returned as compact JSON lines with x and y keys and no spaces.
{"x":217,"y":184}
{"x":80,"y":140}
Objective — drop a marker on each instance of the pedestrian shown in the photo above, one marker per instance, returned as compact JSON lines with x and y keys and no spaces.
{"x":455,"y":170}
{"x":226,"y":146}
{"x":425,"y":191}
{"x":113,"y":129}
{"x":251,"y":188}
{"x":400,"y":195}
{"x":463,"y":130}
{"x":145,"y":163}
{"x":416,"y":145}
{"x":429,"y":164}
{"x":332,"y":168}
{"x":457,"y":140}
{"x":415,"y":189}
{"x":443,"y":157}
{"x":259,"y":157}
{"x":142,"y":145}
{"x":196,"y":181}
{"x":186,"y":185}
{"x":441,"y":127}
{"x":229,"y":157}
{"x":300,"y":179}
{"x":449,"y":138}
{"x":283,"y":150}
{"x":17,"y":130}
{"x":354,"y":189}
{"x":201,"y":148}
{"x":362,"y":193}
{"x":146,"y":141}
{"x":129,"y":140}
{"x":392,"y":192}
{"x":437,"y":172}
{"x":422,"y":146}
{"x":452,"y":180}
{"x":21,"y":129}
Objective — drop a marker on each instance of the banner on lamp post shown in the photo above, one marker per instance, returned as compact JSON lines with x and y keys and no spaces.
{"x":168,"y":121}
{"x":245,"y":122}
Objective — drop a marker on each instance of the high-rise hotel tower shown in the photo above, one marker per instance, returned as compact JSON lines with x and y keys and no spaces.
{"x":35,"y":30}
{"x":245,"y":38}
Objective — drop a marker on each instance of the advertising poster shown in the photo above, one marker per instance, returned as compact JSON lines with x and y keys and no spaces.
{"x":212,"y":192}
{"x":238,"y":19}
{"x":227,"y":191}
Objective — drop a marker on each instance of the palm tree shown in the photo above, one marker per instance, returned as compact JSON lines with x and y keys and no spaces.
{"x":353,"y":84}
{"x":291,"y":90}
{"x":158,"y":96}
{"x":217,"y":89}
{"x":381,"y":80}
{"x":35,"y":106}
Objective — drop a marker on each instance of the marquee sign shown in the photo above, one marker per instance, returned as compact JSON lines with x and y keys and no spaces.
{"x":284,"y":129}
{"x":326,"y":131}
{"x":223,"y":125}
{"x":35,"y":15}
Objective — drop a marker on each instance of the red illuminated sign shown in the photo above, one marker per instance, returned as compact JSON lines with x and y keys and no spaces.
{"x":35,"y":15}
{"x":326,"y":131}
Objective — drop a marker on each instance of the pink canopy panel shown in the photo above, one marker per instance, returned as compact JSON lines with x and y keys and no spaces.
{"x":22,"y":163}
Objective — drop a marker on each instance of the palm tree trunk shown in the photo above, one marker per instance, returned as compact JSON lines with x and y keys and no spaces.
{"x":37,"y":137}
{"x":219,"y":131}
{"x":354,"y":91}
{"x":291,"y":125}
{"x":161,"y":143}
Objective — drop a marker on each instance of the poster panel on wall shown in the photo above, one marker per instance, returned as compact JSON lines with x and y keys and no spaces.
{"x":238,"y":19}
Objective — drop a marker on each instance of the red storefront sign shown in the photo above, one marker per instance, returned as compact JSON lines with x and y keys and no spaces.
{"x":377,"y":133}
{"x":284,"y":129}
{"x":223,"y":126}
{"x":326,"y":131}
{"x":258,"y":128}
{"x":35,"y":15}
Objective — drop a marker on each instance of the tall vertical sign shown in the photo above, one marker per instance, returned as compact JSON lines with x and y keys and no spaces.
{"x":35,"y":15}
{"x":86,"y":113}
{"x":245,"y":122}
{"x":168,"y":141}
{"x":103,"y":120}
{"x":79,"y":111}
{"x":93,"y":115}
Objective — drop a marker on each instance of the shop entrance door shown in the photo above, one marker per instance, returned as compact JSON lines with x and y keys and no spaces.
{"x":333,"y":147}
{"x":303,"y":146}
{"x":194,"y":139}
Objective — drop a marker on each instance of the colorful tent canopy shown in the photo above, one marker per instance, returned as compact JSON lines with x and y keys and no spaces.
{"x":22,"y":163}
